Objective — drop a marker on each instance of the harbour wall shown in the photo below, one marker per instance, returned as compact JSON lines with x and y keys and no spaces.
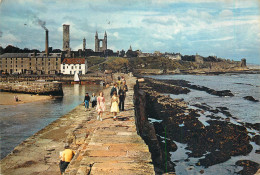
{"x":41,"y":88}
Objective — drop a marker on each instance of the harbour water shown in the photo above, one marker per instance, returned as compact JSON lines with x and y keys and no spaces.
{"x":18,"y":122}
{"x":242,"y":111}
{"x":240,"y":85}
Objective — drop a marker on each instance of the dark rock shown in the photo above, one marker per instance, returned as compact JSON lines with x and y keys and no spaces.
{"x":217,"y":142}
{"x":255,"y":126}
{"x":249,"y":167}
{"x":222,"y":93}
{"x":257,"y":151}
{"x":256,"y":139}
{"x":223,"y":108}
{"x":250,"y":98}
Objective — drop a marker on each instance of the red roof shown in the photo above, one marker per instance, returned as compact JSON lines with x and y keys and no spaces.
{"x":73,"y":61}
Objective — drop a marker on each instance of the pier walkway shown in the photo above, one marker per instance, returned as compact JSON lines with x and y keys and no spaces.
{"x":111,"y":146}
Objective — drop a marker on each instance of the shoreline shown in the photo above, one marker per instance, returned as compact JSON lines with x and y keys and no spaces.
{"x":39,"y":154}
{"x":142,"y":72}
{"x":207,"y":139}
{"x":7,"y":98}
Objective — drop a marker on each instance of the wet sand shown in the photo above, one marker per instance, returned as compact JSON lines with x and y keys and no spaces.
{"x":7,"y":98}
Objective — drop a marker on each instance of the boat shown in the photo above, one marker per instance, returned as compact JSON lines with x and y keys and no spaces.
{"x":76,"y":79}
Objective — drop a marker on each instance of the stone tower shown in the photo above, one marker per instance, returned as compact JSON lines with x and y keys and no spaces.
{"x":104,"y":43}
{"x":84,"y":44}
{"x":243,"y":62}
{"x":66,"y":37}
{"x":97,"y":43}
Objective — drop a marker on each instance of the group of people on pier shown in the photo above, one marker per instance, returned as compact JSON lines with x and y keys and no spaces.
{"x":117,"y":94}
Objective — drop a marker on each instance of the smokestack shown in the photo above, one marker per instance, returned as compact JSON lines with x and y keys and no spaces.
{"x":47,"y":43}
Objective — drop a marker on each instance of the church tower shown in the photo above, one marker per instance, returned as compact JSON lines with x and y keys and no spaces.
{"x":104,"y":44}
{"x":96,"y":43}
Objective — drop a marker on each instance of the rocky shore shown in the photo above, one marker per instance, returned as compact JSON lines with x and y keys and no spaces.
{"x":167,"y":122}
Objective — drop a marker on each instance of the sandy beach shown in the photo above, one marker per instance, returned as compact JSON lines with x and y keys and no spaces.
{"x":7,"y":98}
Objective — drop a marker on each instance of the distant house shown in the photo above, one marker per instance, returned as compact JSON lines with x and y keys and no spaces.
{"x":30,"y":63}
{"x":174,"y":56}
{"x":74,"y":65}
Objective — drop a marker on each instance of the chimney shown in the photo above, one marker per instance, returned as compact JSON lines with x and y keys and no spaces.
{"x":47,"y":43}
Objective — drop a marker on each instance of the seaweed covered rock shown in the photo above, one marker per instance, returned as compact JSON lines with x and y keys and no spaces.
{"x":250,"y":98}
{"x":249,"y":167}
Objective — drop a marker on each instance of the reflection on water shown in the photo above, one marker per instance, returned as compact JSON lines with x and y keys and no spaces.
{"x":19,"y":122}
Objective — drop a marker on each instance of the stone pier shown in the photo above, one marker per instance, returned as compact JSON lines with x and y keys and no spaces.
{"x":33,"y":87}
{"x":111,"y":146}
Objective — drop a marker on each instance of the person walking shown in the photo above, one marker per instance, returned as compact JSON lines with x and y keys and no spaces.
{"x":86,"y":100}
{"x":100,"y":105}
{"x":114,"y":89}
{"x":119,"y":82}
{"x":123,"y":80}
{"x":122,"y":95}
{"x":114,"y":104}
{"x":121,"y":100}
{"x":93,"y":100}
{"x":66,"y":158}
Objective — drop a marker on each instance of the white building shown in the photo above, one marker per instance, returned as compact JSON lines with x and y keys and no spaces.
{"x":74,"y":65}
{"x":173,"y":56}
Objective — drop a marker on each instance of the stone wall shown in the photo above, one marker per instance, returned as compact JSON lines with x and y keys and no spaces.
{"x":146,"y":130}
{"x":63,"y":78}
{"x":42,"y":88}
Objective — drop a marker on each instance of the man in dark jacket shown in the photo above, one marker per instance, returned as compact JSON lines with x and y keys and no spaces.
{"x":114,"y":88}
{"x":122,"y":95}
{"x":86,"y":101}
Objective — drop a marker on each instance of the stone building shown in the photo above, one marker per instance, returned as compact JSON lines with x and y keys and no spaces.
{"x":199,"y":59}
{"x":74,"y":65}
{"x":30,"y":63}
{"x":66,"y":37}
{"x":176,"y":56}
{"x":98,"y":47}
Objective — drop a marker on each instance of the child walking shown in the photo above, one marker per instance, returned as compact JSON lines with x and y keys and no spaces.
{"x":114,"y":104}
{"x":100,"y":105}
{"x":93,"y":100}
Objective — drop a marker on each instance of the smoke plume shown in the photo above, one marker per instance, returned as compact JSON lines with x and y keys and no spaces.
{"x":40,"y":22}
{"x":1,"y":33}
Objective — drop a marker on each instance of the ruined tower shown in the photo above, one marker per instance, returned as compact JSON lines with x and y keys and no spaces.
{"x":104,"y":43}
{"x":66,"y":37}
{"x":84,"y":44}
{"x":243,"y":62}
{"x":99,"y":48}
{"x":96,"y":43}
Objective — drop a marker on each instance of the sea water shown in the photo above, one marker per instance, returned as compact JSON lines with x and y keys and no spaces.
{"x":18,"y":122}
{"x":240,"y":85}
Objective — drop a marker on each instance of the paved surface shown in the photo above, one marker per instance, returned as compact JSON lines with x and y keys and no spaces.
{"x":111,"y":146}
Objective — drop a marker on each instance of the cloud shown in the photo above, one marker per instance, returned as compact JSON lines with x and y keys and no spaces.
{"x":226,"y":14}
{"x":215,"y":39}
{"x":164,"y":25}
{"x":10,"y":38}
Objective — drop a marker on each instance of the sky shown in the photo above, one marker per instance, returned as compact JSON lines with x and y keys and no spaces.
{"x":227,"y":29}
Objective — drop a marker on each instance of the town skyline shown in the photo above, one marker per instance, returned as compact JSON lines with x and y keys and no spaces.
{"x":221,"y":28}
